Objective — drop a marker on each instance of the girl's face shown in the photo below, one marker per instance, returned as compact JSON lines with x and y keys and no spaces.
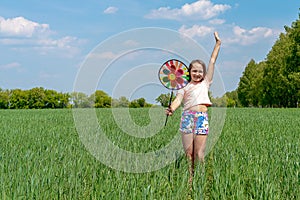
{"x":197,"y":72}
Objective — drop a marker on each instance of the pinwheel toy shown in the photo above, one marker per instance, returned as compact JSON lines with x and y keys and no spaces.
{"x":173,"y":74}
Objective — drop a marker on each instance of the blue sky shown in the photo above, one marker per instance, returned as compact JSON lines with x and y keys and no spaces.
{"x":45,"y":43}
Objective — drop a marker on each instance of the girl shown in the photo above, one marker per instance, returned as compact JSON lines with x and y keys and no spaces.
{"x":194,"y":120}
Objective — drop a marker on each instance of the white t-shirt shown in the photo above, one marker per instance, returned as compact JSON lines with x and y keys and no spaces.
{"x":195,"y":94}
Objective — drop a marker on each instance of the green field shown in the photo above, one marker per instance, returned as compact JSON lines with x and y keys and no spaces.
{"x":256,"y":157}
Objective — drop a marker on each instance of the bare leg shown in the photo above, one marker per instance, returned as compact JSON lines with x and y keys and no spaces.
{"x":188,"y":145}
{"x":199,"y":147}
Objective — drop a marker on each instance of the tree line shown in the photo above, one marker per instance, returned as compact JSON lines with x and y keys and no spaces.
{"x":40,"y":98}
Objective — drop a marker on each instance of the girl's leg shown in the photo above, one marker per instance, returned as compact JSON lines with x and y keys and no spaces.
{"x":188,"y":146}
{"x":199,"y":147}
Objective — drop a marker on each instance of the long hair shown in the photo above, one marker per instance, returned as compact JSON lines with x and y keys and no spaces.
{"x":191,"y":66}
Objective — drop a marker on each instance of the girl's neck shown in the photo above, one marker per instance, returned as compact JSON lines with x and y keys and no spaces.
{"x":196,"y":82}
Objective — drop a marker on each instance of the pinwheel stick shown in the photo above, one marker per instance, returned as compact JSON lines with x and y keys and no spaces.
{"x":170,"y":101}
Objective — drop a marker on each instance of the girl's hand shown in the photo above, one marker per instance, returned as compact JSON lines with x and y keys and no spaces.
{"x":218,"y":40}
{"x":169,"y":111}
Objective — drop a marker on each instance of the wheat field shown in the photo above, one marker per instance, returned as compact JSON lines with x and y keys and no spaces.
{"x":256,"y":157}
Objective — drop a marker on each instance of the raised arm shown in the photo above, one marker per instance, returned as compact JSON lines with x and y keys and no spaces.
{"x":213,"y":58}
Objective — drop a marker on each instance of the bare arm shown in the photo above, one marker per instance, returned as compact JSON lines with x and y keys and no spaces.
{"x":213,"y":58}
{"x":175,"y":104}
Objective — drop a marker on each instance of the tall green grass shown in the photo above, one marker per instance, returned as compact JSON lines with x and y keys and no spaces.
{"x":256,"y":157}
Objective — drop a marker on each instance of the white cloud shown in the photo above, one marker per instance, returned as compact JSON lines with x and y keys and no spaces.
{"x":21,"y":33}
{"x":247,"y":37}
{"x":13,"y":65}
{"x":201,"y":9}
{"x":110,"y":10}
{"x":20,"y":26}
{"x":196,"y":31}
{"x":66,"y":46}
{"x":14,"y":41}
{"x":62,"y":43}
{"x":217,"y":21}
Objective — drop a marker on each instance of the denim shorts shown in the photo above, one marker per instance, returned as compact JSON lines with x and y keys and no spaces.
{"x":194,"y":122}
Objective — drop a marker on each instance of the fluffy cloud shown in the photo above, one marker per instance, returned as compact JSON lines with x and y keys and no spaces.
{"x":64,"y":42}
{"x":67,"y":46}
{"x":22,"y":33}
{"x":217,"y":21}
{"x":196,"y":31}
{"x":20,"y":26}
{"x":201,"y":9}
{"x":247,"y":37}
{"x":110,"y":10}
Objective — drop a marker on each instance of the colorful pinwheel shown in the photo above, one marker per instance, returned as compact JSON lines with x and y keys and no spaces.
{"x":173,"y":74}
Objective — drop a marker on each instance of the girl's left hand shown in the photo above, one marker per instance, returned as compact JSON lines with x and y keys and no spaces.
{"x":218,"y":40}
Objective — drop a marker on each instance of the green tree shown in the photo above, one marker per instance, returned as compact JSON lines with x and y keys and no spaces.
{"x":4,"y":99}
{"x":139,"y":103}
{"x":232,"y":99}
{"x":281,"y":76}
{"x":101,"y":99}
{"x":249,"y":88}
{"x":18,"y":99}
{"x":121,"y":102}
{"x":36,"y":98}
{"x":134,"y":104}
{"x":63,"y":100}
{"x":164,"y":99}
{"x":80,"y":100}
{"x":54,"y":99}
{"x":219,"y":101}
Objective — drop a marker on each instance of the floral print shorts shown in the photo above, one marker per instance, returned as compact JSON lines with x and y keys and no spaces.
{"x":194,"y":122}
